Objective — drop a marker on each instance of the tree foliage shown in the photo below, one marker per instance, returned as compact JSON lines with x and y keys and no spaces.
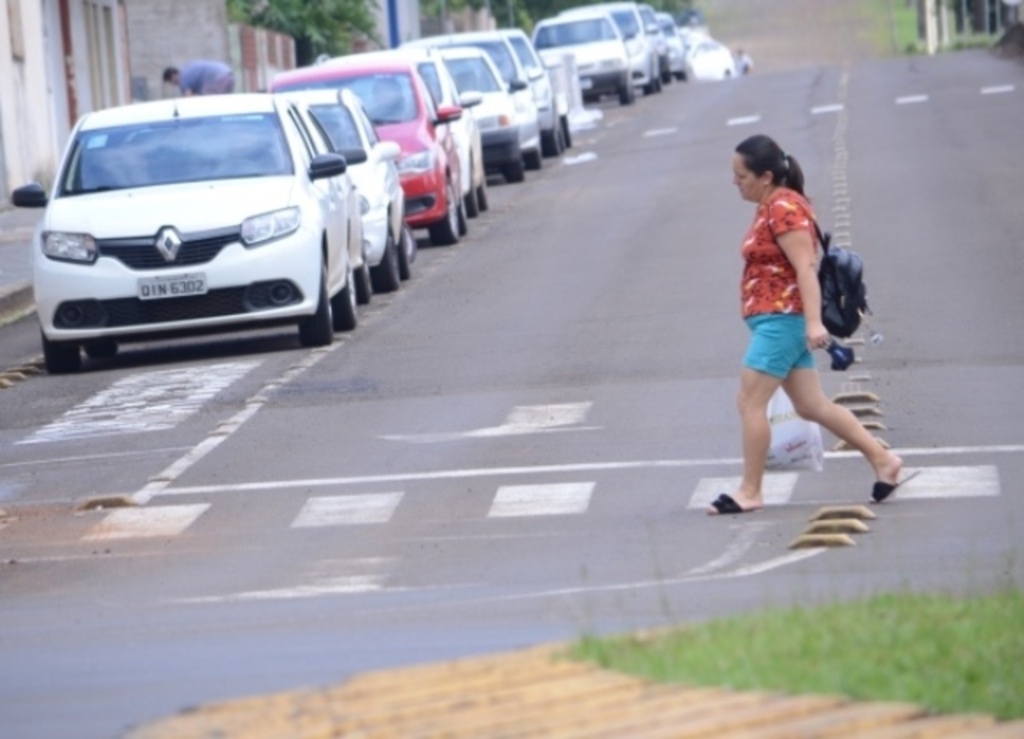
{"x":318,"y":26}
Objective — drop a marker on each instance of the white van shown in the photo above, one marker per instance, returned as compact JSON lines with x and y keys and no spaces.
{"x":641,"y":45}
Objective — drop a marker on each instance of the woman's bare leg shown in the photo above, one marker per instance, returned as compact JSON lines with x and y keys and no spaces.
{"x":756,"y":390}
{"x":803,"y":386}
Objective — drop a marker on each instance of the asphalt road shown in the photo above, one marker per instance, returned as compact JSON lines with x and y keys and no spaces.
{"x":513,"y":449}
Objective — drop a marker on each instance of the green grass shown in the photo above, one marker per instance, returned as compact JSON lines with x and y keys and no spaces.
{"x":949,"y":655}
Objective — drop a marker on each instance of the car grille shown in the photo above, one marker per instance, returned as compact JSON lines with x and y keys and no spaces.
{"x":141,"y":252}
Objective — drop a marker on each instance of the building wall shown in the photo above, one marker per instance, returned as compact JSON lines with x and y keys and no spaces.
{"x":163,"y":34}
{"x":27,"y":140}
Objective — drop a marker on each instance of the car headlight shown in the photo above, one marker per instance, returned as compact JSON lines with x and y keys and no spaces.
{"x":488,"y":123}
{"x":68,"y":247}
{"x":422,"y":161}
{"x":268,"y":226}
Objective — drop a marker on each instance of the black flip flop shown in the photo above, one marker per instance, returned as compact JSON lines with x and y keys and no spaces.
{"x":883,"y":490}
{"x":726,"y":504}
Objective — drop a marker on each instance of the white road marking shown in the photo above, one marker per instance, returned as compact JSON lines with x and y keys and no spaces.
{"x":822,"y":109}
{"x":92,"y":457}
{"x":557,"y":499}
{"x":777,"y":488}
{"x":745,"y":120}
{"x":735,"y":551}
{"x":950,"y":482}
{"x":653,"y":464}
{"x":660,"y":132}
{"x":355,"y":576}
{"x":524,"y":419}
{"x":911,"y":99}
{"x":997,"y":90}
{"x":347,"y":510}
{"x":137,"y":523}
{"x":587,"y":156}
{"x":149,"y":401}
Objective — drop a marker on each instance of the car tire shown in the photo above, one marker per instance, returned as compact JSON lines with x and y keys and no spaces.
{"x":681,"y":76}
{"x":343,"y":305}
{"x":386,"y":275}
{"x":406,"y":253}
{"x":364,"y":284}
{"x":566,"y":133}
{"x":470,"y":205}
{"x":463,"y":219}
{"x":551,"y":142}
{"x":481,"y":196}
{"x":100,"y":348}
{"x":627,"y":94}
{"x":446,"y":231}
{"x":61,"y":357}
{"x":666,"y":77}
{"x":316,"y":330}
{"x":514,"y":172}
{"x":533,"y":160}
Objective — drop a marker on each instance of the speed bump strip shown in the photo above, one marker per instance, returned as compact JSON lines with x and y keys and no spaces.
{"x":811,"y":541}
{"x":540,"y":693}
{"x":844,"y":511}
{"x":863,"y":396}
{"x":838,"y":526}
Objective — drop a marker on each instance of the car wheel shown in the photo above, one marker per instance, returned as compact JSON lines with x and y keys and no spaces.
{"x":551,"y":142}
{"x":666,"y":77}
{"x":446,"y":231}
{"x":681,"y":76}
{"x":514,"y":172}
{"x":364,"y":285}
{"x":386,"y":277}
{"x":627,"y":94}
{"x":533,"y":160}
{"x":406,"y":253}
{"x":316,"y":330}
{"x":100,"y":348}
{"x":343,"y":305}
{"x":481,"y":196}
{"x":463,"y":220}
{"x":61,"y":357}
{"x":566,"y":133}
{"x":470,"y":205}
{"x":656,"y":84}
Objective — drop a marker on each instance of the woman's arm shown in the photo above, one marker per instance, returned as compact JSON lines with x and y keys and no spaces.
{"x":799,"y":248}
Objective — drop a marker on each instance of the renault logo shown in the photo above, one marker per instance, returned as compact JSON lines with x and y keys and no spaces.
{"x":168,"y":242}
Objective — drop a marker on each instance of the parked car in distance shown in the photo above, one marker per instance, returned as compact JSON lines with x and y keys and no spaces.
{"x":474,"y":71}
{"x":512,"y":72}
{"x":371,"y":166}
{"x":190,"y":215}
{"x":596,"y":44}
{"x":653,"y":29}
{"x":640,"y":44}
{"x":402,"y":110}
{"x":552,"y":114}
{"x":465,"y":130}
{"x":676,"y":50}
{"x":710,"y":60}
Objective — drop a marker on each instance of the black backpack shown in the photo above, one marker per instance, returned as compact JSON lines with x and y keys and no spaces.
{"x":844,"y":296}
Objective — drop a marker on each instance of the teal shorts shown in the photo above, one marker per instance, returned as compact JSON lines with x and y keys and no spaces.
{"x":778,"y":344}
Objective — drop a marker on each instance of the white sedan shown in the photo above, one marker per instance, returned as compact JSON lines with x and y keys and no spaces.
{"x":388,"y":247}
{"x":190,"y":215}
{"x":710,"y":60}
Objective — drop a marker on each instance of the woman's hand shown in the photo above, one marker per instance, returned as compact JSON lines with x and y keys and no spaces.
{"x":817,"y":335}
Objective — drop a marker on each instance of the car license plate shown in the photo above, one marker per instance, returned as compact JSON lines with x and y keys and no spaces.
{"x":586,"y":83}
{"x":172,"y":286}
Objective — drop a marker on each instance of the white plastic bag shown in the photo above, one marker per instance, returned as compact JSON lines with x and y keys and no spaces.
{"x":796,"y":443}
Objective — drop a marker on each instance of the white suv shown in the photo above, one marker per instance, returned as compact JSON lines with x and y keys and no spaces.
{"x":190,"y":215}
{"x":640,"y":44}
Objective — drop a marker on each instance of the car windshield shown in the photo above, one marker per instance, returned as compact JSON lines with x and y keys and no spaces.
{"x":473,"y":75}
{"x":175,"y":151}
{"x":499,"y":52}
{"x":339,"y":125}
{"x":522,"y":49}
{"x":627,"y":23}
{"x":430,"y":77}
{"x":387,"y":96}
{"x":574,"y":32}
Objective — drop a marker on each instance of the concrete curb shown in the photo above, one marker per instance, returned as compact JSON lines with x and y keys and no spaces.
{"x":538,"y":692}
{"x":16,"y":300}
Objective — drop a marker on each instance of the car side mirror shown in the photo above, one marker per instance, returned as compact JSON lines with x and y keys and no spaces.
{"x":31,"y":195}
{"x":327,"y":165}
{"x":470,"y":99}
{"x":536,"y":73}
{"x":448,"y":113}
{"x":517,"y":84}
{"x":387,"y":150}
{"x":354,"y":156}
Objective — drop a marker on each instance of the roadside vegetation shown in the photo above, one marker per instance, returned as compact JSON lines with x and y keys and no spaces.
{"x":947,"y":654}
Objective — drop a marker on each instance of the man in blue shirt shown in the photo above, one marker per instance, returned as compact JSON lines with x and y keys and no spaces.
{"x":202,"y":77}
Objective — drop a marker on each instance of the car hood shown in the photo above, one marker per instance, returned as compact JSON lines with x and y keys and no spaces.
{"x":412,"y":135}
{"x":189,"y":207}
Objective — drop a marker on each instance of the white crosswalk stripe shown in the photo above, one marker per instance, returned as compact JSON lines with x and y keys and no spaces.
{"x":347,"y":510}
{"x":541,"y":500}
{"x":949,"y":482}
{"x":777,"y":489}
{"x":134,"y":523}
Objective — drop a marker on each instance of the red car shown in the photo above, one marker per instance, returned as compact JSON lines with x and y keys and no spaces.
{"x":402,"y":110}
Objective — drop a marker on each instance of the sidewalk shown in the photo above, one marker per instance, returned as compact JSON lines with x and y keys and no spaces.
{"x":537,"y":693}
{"x":16,"y":228}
